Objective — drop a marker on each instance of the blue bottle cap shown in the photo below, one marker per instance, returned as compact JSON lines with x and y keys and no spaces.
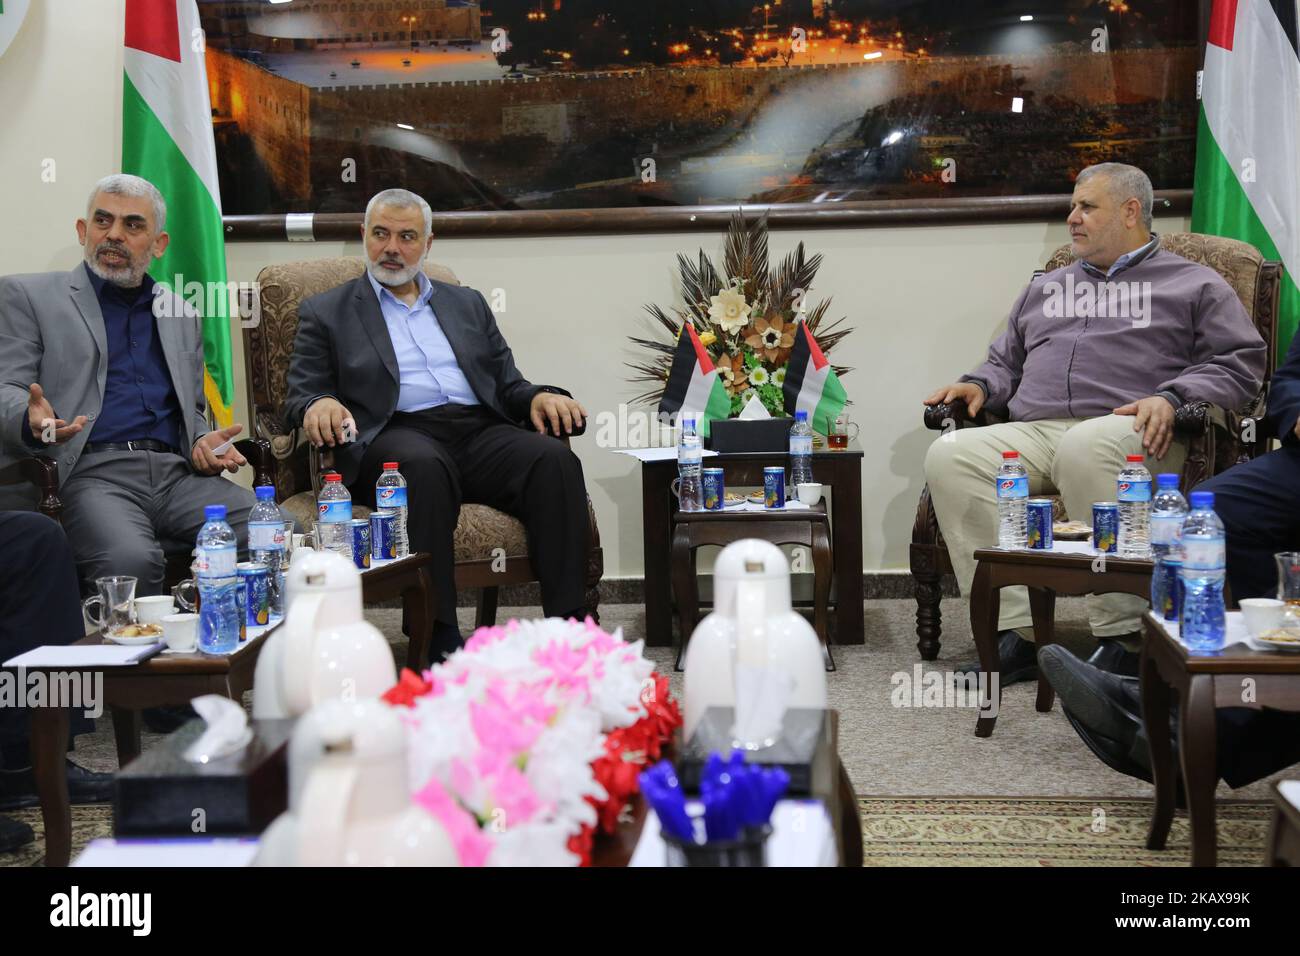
{"x":1202,"y":499}
{"x":1167,"y":480}
{"x":801,"y":416}
{"x":214,"y":513}
{"x":265,"y":492}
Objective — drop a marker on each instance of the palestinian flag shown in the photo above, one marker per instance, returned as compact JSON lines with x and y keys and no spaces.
{"x":694,"y":386}
{"x":811,"y":385}
{"x":1248,"y":142}
{"x":167,"y":139}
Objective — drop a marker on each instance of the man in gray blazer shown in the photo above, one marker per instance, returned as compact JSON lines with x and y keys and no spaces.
{"x":417,"y":372}
{"x":101,"y":369}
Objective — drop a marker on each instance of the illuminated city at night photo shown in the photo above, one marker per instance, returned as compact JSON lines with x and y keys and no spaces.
{"x":574,"y":104}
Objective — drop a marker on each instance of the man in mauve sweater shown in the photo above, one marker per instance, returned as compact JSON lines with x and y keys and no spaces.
{"x":1096,"y":358}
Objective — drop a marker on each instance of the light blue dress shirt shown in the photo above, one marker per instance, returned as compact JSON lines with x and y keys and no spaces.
{"x":428,"y":373}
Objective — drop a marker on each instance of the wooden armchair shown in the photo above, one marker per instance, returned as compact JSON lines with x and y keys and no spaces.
{"x":298,"y":467}
{"x":1216,"y":438}
{"x":42,"y":473}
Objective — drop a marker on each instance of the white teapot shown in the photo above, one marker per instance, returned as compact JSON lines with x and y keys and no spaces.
{"x":754,"y":652}
{"x":325,"y":648}
{"x":349,"y":803}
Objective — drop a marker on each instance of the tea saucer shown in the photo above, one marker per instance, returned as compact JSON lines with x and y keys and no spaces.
{"x":140,"y":641}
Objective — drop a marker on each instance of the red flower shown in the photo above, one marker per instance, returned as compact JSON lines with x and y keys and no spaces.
{"x":408,"y":687}
{"x":580,"y":844}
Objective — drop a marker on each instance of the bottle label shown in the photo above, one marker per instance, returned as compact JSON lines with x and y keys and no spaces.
{"x":389,"y":498}
{"x":1133,"y":490}
{"x":801,"y":444}
{"x":1166,"y":529}
{"x":1010,"y":486}
{"x":1203,"y":554}
{"x":329,"y":511}
{"x":215,"y":562}
{"x":265,"y":536}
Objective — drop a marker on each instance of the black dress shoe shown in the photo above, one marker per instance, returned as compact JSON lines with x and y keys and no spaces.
{"x":1110,"y":656}
{"x":446,"y":641}
{"x":1016,"y":656}
{"x":1103,"y":708}
{"x":18,"y":787}
{"x":14,"y":835}
{"x":165,"y":720}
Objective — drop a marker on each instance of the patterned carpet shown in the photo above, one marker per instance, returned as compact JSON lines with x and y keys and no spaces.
{"x":943,"y":831}
{"x":979,"y":831}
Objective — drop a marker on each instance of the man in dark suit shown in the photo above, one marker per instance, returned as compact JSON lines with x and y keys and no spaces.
{"x":1259,"y":504}
{"x":416,"y":371}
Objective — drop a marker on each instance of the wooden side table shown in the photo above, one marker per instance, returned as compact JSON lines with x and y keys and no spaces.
{"x":840,"y":471}
{"x":174,"y":679}
{"x":694,"y":529}
{"x":1070,"y":569}
{"x":1199,"y":685}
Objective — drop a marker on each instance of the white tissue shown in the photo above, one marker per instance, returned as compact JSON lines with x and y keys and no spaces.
{"x":762,"y":698}
{"x":227,"y":731}
{"x":754,"y":409}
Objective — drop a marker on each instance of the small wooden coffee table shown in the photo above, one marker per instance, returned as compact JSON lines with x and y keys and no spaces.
{"x":807,"y":527}
{"x":170,"y":679}
{"x":1070,"y":568}
{"x":1199,"y":685}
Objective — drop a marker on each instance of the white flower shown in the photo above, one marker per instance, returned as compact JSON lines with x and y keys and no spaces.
{"x":729,"y":310}
{"x":778,"y":377}
{"x":747,"y":394}
{"x":759,"y":376}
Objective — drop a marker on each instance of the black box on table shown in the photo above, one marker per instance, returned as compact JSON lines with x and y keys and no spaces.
{"x":806,"y":749}
{"x":762,"y":434}
{"x":161,"y":793}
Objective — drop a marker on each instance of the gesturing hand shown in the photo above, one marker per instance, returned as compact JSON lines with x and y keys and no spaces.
{"x":45,"y":425}
{"x":555,"y":409}
{"x":207,"y":462}
{"x":326,"y":423}
{"x":968,"y":392}
{"x":1154,"y":417}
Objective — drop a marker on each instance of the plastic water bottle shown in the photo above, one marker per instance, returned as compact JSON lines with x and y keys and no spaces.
{"x":217,"y":583}
{"x":1202,"y":626}
{"x":691,"y":482}
{"x":266,"y":544}
{"x":334,"y":517}
{"x":1168,"y":512}
{"x":801,"y":437}
{"x":390,"y":495}
{"x":1133,"y":492}
{"x":1012,"y":486}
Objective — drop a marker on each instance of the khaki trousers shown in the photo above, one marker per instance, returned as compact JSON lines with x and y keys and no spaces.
{"x":1080,"y":458}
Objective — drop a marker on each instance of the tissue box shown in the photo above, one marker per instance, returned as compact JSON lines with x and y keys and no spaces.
{"x":806,"y":750}
{"x":765,"y":434}
{"x":160,"y":793}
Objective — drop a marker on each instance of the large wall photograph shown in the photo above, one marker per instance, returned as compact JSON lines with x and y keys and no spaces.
{"x":598,"y":104}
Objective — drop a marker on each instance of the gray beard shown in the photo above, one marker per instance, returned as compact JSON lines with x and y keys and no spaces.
{"x":127,"y":277}
{"x":392,"y":279}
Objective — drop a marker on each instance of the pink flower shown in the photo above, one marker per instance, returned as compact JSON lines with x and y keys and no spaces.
{"x":471,"y":845}
{"x":506,"y":723}
{"x":484,"y":636}
{"x":565,"y":665}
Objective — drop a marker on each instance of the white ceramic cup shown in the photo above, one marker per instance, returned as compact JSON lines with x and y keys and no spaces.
{"x":810,"y":492}
{"x":1261,"y":614}
{"x":152,"y":609}
{"x":181,"y":631}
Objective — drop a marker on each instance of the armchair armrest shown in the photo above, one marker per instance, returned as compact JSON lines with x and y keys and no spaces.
{"x":258,"y":453}
{"x":41,"y":472}
{"x":945,"y":416}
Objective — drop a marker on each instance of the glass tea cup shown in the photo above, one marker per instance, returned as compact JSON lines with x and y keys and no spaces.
{"x":840,"y":432}
{"x":113,"y":608}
